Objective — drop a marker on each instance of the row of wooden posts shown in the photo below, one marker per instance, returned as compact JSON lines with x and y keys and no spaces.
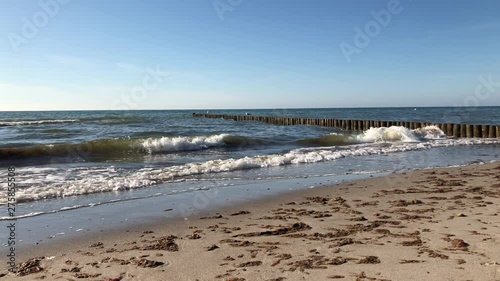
{"x":452,"y":130}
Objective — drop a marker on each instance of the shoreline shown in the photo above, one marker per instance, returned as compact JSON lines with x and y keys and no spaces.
{"x":398,"y":227}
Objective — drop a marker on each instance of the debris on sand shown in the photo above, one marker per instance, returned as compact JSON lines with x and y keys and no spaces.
{"x":343,"y":242}
{"x":86,"y":275}
{"x":369,"y":260}
{"x":404,"y":203}
{"x":119,"y":278}
{"x":218,"y":216}
{"x":281,"y":257}
{"x":149,"y":263}
{"x":411,"y":261}
{"x":250,"y":263}
{"x":416,"y":242}
{"x":29,"y":267}
{"x":296,"y":227}
{"x":96,"y":244}
{"x":164,"y":243}
{"x":213,"y":247}
{"x":194,"y":236}
{"x":459,"y":244}
{"x":315,"y":262}
{"x":74,"y":269}
{"x":241,"y":213}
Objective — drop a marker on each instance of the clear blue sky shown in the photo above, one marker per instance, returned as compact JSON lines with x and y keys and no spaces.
{"x":259,"y":54}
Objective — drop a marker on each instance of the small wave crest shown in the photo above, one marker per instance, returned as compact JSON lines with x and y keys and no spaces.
{"x":6,"y":123}
{"x":174,"y":144}
{"x":104,"y":120}
{"x":378,"y":135}
{"x":401,"y":134}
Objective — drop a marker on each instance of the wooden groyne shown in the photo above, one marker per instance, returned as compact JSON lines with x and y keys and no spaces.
{"x":452,"y":130}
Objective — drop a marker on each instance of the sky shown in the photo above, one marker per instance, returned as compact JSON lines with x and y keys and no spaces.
{"x":197,"y":54}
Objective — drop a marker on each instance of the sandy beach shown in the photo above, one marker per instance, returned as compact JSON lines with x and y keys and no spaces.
{"x":439,"y":224}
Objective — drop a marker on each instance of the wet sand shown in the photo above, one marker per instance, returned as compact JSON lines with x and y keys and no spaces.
{"x":440,"y":224}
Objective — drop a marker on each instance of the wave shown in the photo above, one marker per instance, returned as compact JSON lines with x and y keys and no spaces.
{"x":398,"y":133}
{"x":106,"y":120}
{"x":378,"y":135}
{"x":174,"y":144}
{"x":78,"y":181}
{"x":109,"y":148}
{"x":6,"y":123}
{"x":118,"y":148}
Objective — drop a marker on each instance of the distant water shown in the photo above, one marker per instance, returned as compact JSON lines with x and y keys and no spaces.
{"x":66,"y":160}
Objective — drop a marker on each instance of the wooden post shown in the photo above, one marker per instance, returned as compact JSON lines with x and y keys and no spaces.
{"x":486,"y":131}
{"x":456,"y":131}
{"x":492,"y":133}
{"x":450,"y":129}
{"x":477,"y":131}
{"x":469,"y":131}
{"x":463,"y":131}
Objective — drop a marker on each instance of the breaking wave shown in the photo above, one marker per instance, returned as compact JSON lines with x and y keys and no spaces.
{"x":78,"y":181}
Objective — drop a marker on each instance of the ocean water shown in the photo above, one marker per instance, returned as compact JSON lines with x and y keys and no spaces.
{"x":67,"y":161}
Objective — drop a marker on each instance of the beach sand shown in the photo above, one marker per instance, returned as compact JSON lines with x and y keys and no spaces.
{"x":440,"y":224}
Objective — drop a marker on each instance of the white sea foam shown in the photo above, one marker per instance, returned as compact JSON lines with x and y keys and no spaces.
{"x":430,"y":133}
{"x":172,"y":144}
{"x":84,"y":180}
{"x":36,"y":122}
{"x":398,"y":133}
{"x":395,"y":134}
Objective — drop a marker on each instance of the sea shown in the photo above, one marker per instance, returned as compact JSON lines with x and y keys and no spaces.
{"x":84,"y":171}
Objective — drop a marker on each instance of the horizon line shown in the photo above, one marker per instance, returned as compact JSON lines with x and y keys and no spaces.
{"x":267,"y":108}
